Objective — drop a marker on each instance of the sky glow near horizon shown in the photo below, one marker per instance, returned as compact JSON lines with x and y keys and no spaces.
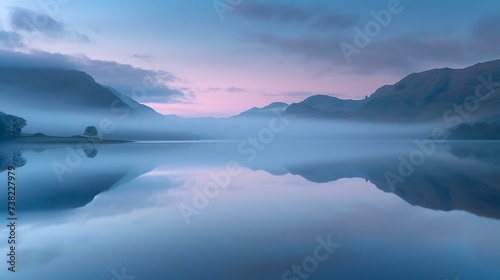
{"x":262,"y":51}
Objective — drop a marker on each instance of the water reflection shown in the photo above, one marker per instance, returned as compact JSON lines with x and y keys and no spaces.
{"x":488,"y":151}
{"x":120,"y":209}
{"x":91,"y":152}
{"x":460,"y":176}
{"x":442,"y":183}
{"x":9,"y":156}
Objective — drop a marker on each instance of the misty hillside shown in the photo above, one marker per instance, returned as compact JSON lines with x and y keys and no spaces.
{"x":323,"y":105}
{"x":63,"y":91}
{"x":424,"y":96}
{"x":267,"y":111}
{"x":140,"y":109}
{"x":63,"y":102}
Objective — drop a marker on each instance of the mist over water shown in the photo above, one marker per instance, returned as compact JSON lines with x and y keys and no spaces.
{"x":121,"y":126}
{"x":114,"y":212}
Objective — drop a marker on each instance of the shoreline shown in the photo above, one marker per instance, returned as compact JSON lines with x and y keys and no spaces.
{"x":59,"y":140}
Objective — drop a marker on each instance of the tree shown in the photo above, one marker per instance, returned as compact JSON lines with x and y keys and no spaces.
{"x":90,"y":131}
{"x":3,"y":125}
{"x":3,"y":129}
{"x":17,"y":125}
{"x":11,"y":126}
{"x":10,"y":157}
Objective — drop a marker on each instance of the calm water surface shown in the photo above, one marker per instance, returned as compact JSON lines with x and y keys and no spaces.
{"x":214,"y":210}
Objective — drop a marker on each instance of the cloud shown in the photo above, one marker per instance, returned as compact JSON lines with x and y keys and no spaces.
{"x":486,"y":36}
{"x":235,"y":89}
{"x":317,"y":18}
{"x":330,"y":22}
{"x":276,"y":12}
{"x":30,"y":22}
{"x":396,"y":54}
{"x":408,"y":53}
{"x":122,"y":77}
{"x":10,"y":40}
{"x":311,"y":46}
{"x":219,"y":90}
{"x":144,"y":57}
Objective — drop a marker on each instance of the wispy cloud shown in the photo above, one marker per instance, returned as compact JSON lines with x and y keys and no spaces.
{"x":29,"y":22}
{"x":318,"y":18}
{"x":394,"y":53}
{"x":486,"y":35}
{"x":331,"y":22}
{"x":10,"y":40}
{"x":235,"y":89}
{"x":221,"y":90}
{"x":388,"y":55}
{"x":144,"y":57}
{"x":124,"y":78}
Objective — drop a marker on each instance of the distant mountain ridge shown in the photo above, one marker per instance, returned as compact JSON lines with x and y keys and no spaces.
{"x":62,"y":91}
{"x":324,"y":105}
{"x":266,"y":111}
{"x":63,"y":102}
{"x":51,"y":97}
{"x":144,"y":110}
{"x":424,"y":96}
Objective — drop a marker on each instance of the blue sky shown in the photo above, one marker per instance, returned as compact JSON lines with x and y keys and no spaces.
{"x":259,"y":52}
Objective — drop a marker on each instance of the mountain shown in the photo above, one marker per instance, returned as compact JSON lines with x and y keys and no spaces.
{"x":172,"y":117}
{"x":324,"y":106}
{"x":424,"y":96}
{"x":457,"y":176}
{"x":63,"y":102}
{"x":141,"y":109}
{"x":266,"y":111}
{"x":439,"y":184}
{"x":58,"y":90}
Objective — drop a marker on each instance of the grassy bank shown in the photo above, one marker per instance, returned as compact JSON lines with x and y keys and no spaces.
{"x":45,"y":139}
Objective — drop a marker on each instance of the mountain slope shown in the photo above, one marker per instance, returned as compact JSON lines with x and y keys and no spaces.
{"x":424,"y":96}
{"x":266,"y":111}
{"x":64,"y":102}
{"x":141,"y":109}
{"x":62,"y":91}
{"x":324,"y":105}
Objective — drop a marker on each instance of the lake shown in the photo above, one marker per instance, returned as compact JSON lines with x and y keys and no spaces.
{"x":316,"y":209}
